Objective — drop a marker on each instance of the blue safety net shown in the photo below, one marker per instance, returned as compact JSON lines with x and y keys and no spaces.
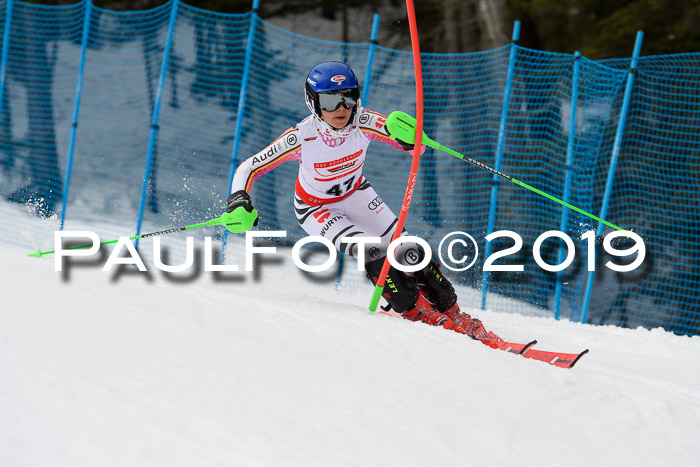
{"x":125,"y":123}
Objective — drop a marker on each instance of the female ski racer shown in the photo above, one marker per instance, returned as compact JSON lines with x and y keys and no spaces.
{"x":335,"y":201}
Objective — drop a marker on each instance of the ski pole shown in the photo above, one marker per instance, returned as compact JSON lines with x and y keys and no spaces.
{"x":402,"y":126}
{"x":237,"y":221}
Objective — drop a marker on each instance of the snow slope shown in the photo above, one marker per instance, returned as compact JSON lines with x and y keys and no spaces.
{"x":135,"y":369}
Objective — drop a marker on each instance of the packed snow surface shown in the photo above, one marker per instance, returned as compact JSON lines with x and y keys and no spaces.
{"x":125,"y":368}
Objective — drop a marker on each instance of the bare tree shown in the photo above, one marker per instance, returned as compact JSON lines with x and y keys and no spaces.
{"x":458,"y":26}
{"x":490,"y":16}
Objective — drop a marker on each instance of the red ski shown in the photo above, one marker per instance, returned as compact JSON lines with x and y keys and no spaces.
{"x":511,"y":347}
{"x":559,"y":359}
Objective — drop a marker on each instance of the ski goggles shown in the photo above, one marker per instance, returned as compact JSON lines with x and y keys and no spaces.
{"x":332,"y":100}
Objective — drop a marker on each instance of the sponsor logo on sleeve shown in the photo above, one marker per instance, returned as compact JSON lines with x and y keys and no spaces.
{"x":375,"y":203}
{"x":263,"y":156}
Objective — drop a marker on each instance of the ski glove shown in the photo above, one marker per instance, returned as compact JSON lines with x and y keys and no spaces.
{"x":240,"y":220}
{"x":239,"y":198}
{"x":406,"y":146}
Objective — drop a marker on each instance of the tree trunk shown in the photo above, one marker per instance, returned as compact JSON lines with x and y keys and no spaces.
{"x":489,"y":15}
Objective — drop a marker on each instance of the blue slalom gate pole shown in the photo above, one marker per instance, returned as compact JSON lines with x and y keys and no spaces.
{"x":567,"y":180}
{"x":499,"y":156}
{"x":5,"y":52}
{"x":156,"y":115}
{"x":613,"y":164}
{"x":241,"y":109}
{"x":76,"y":111}
{"x":365,"y":93}
{"x":370,"y":57}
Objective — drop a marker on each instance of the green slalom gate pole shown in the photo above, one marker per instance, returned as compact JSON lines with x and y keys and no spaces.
{"x":402,"y":126}
{"x":237,"y":221}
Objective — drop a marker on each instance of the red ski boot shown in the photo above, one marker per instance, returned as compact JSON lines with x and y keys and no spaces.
{"x":471,"y":326}
{"x":404,"y":297}
{"x":442,"y":295}
{"x":424,"y":312}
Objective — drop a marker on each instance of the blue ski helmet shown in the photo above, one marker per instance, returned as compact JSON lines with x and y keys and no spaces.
{"x":330,"y":78}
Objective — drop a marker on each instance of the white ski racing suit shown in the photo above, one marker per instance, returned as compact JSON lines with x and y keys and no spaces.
{"x":332,"y":198}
